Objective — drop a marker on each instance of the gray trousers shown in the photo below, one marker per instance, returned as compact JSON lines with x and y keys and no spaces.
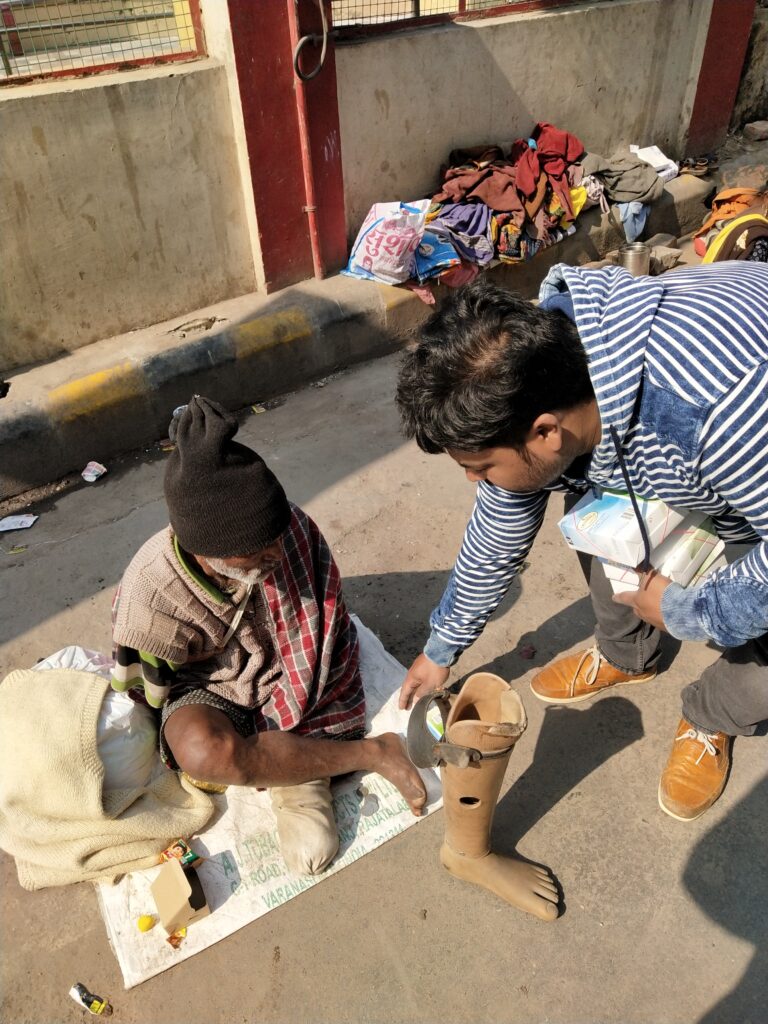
{"x":730,"y":696}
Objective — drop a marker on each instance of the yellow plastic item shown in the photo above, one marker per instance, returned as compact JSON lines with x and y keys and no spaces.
{"x":745,"y":221}
{"x":146,"y":922}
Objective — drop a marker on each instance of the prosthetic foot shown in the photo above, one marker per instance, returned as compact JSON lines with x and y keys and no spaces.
{"x":481,"y":728}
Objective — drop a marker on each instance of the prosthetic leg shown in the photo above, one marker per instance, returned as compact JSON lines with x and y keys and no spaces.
{"x":481,"y":727}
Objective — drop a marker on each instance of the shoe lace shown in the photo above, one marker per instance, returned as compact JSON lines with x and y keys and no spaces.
{"x":591,"y":673}
{"x":708,"y":747}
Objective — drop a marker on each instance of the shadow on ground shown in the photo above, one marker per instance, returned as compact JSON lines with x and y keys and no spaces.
{"x":727,"y":876}
{"x":570,"y":746}
{"x":396,"y":606}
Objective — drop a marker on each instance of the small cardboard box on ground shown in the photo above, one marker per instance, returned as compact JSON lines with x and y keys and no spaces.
{"x":606,"y":526}
{"x":692,"y":546}
{"x":179,"y":896}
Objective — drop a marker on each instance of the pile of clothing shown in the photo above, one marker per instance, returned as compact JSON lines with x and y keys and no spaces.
{"x":509,"y":208}
{"x":491,"y":206}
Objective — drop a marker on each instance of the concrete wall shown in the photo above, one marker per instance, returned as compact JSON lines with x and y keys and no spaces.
{"x":121,"y":205}
{"x":611,"y":73}
{"x":752,"y":100}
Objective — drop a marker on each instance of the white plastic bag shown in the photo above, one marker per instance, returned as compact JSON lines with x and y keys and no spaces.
{"x":126,"y":734}
{"x":385,"y":247}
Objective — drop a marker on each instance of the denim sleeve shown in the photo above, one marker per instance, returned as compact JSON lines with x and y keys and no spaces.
{"x":499,"y":535}
{"x":728,"y":608}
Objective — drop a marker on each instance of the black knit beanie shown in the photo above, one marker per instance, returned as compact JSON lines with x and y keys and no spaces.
{"x":223,"y":499}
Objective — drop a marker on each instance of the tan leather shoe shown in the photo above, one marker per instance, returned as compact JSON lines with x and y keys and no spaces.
{"x":581,"y":676}
{"x":695,"y":773}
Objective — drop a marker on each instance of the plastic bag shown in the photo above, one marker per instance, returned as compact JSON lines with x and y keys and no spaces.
{"x":386,"y":244}
{"x":126,"y":734}
{"x":126,"y":738}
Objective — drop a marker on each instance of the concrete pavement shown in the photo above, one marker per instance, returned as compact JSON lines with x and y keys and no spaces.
{"x":664,"y":922}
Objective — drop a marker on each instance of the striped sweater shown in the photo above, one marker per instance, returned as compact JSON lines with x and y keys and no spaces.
{"x":679,"y":366}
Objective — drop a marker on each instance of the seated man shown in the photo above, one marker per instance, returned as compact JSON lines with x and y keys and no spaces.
{"x":233,"y":623}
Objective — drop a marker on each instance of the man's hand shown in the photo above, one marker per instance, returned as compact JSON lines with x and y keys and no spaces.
{"x":424,"y":676}
{"x":646,"y":600}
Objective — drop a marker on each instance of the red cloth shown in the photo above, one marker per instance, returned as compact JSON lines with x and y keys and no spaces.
{"x":555,"y":150}
{"x":320,"y":692}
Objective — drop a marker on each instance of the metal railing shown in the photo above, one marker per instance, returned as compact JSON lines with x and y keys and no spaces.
{"x":66,"y":37}
{"x":362,"y":17}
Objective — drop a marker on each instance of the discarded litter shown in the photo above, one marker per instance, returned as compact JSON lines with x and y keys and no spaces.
{"x":180,"y":850}
{"x":176,"y":938}
{"x":527,"y":651}
{"x":17,"y":522}
{"x":178,"y":895}
{"x":93,"y":471}
{"x":17,"y":549}
{"x":146,"y":922}
{"x":202,"y":324}
{"x":93,"y":1004}
{"x":258,"y":408}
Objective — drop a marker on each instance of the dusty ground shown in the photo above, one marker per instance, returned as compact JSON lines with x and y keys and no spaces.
{"x":664,"y":922}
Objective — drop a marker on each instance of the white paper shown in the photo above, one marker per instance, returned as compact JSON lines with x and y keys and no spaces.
{"x":664,"y":167}
{"x":245,"y":876}
{"x":17,"y":522}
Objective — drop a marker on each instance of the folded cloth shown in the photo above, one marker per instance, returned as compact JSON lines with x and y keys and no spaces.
{"x":626,"y":178}
{"x":55,"y":818}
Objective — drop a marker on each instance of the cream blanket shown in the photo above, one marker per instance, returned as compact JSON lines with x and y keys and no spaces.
{"x":53,"y":818}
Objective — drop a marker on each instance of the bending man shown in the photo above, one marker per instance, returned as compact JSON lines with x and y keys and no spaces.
{"x":668,"y":376}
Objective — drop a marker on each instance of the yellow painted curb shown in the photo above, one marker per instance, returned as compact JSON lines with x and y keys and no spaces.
{"x":95,"y":392}
{"x":393,"y":297}
{"x":268,"y":331}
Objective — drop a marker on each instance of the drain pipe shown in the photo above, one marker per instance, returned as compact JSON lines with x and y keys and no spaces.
{"x":298,"y":43}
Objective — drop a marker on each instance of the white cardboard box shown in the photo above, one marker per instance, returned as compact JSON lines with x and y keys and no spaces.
{"x":690,"y":549}
{"x":607,"y":526}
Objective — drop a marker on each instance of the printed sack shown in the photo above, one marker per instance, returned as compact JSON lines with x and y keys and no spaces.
{"x":386,"y":244}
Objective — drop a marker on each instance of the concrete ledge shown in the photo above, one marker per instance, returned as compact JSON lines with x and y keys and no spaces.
{"x":114,"y":395}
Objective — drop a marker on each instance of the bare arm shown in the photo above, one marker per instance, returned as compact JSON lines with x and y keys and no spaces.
{"x":206,"y":745}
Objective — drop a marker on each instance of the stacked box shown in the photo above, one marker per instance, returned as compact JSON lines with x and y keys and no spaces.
{"x":691,"y":550}
{"x":684,"y":546}
{"x":607,"y":526}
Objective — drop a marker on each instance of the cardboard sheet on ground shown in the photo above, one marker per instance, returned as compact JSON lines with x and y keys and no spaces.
{"x":245,"y":877}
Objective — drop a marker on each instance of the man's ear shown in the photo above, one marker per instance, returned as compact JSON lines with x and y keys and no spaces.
{"x":546,"y":429}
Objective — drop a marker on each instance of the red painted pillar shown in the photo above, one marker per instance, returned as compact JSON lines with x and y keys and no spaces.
{"x":324,"y":138}
{"x":729,"y":27}
{"x":263,"y":58}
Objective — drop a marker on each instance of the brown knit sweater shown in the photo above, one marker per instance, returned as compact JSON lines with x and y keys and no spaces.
{"x":165,"y":611}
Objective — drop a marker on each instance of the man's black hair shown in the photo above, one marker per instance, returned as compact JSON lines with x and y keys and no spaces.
{"x":487,"y":363}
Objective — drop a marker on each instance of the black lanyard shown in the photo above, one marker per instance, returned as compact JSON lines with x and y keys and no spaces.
{"x":645,"y":565}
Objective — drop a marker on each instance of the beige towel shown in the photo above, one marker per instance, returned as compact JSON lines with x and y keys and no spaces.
{"x":52,"y":816}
